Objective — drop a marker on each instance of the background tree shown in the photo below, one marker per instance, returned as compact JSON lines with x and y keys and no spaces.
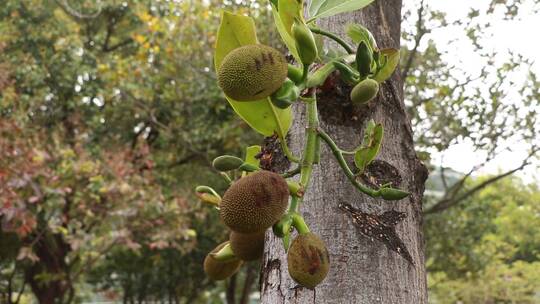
{"x":485,"y":250}
{"x":104,"y":116}
{"x":493,"y":109}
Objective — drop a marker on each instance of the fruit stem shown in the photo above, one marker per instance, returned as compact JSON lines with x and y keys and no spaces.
{"x":338,"y":154}
{"x":291,"y":173}
{"x":206,"y":189}
{"x":226,"y":177}
{"x":300,"y":224}
{"x":337,"y":39}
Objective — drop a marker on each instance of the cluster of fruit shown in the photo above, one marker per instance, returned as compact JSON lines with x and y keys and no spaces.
{"x":249,"y":207}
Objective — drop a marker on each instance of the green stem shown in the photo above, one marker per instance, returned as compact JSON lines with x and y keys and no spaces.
{"x":299,"y":223}
{"x":291,"y":173}
{"x":337,"y":39}
{"x":294,"y":204}
{"x":310,"y":148}
{"x":305,"y":73}
{"x":343,"y":164}
{"x":282,"y":140}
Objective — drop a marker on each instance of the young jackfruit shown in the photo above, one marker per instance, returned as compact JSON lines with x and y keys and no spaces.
{"x":220,"y":270}
{"x":365,"y":91}
{"x":255,"y":202}
{"x":247,"y":246}
{"x":252,"y":72}
{"x":308,"y":260}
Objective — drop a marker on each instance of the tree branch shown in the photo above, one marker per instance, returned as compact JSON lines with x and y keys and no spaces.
{"x":420,"y":32}
{"x":74,"y":13}
{"x":248,"y":282}
{"x":446,"y":203}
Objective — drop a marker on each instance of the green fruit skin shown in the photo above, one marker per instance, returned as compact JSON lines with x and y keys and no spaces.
{"x":255,"y":202}
{"x":364,"y":57}
{"x":217,"y":270}
{"x":247,"y":247}
{"x":308,"y":260}
{"x":252,"y":72}
{"x":305,"y":42}
{"x":364,"y":91}
{"x":227,"y":163}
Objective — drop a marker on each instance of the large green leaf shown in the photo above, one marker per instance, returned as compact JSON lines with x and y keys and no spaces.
{"x":391,"y":61}
{"x":284,"y":14}
{"x":370,"y":147}
{"x":236,"y":31}
{"x":359,"y":33}
{"x":327,"y":8}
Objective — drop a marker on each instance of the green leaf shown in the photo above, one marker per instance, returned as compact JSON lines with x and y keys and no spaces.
{"x":284,"y":14}
{"x":370,"y":145}
{"x":359,"y":33}
{"x":327,"y":8}
{"x":236,"y":31}
{"x":251,"y":152}
{"x":391,"y":59}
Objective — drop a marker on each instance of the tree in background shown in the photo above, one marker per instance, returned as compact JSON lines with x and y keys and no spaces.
{"x":486,"y":250}
{"x":495,"y":109}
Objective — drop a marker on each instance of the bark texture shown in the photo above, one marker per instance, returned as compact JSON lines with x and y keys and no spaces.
{"x":362,"y":270}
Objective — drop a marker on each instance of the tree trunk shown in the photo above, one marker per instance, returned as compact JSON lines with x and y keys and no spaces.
{"x":362,"y":270}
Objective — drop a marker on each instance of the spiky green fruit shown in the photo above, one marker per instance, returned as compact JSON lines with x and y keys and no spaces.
{"x":220,"y":270}
{"x":252,"y":72}
{"x":364,"y":91}
{"x":247,"y":246}
{"x":255,"y":202}
{"x":308,"y":260}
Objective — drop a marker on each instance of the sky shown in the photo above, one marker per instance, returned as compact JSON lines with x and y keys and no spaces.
{"x":514,"y":35}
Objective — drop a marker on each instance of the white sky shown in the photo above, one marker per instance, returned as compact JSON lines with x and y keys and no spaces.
{"x":519,"y":36}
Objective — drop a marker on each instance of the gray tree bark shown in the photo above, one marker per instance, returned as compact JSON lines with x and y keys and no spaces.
{"x":362,"y":270}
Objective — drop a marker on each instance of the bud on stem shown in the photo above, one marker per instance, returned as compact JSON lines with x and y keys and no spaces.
{"x":305,"y":42}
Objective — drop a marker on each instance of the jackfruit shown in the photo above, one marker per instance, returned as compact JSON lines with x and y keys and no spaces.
{"x":255,"y":202}
{"x":220,"y":270}
{"x":252,"y":72}
{"x":308,"y":260}
{"x":247,"y":246}
{"x":365,"y":91}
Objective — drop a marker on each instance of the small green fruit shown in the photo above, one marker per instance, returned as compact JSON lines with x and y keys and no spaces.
{"x":365,"y":91}
{"x":226,"y":163}
{"x":308,"y":260}
{"x":218,"y":270}
{"x":252,"y":72}
{"x":305,"y":42}
{"x":247,"y":246}
{"x":255,"y":202}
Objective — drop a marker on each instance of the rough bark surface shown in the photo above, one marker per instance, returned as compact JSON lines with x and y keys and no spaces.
{"x":362,"y":270}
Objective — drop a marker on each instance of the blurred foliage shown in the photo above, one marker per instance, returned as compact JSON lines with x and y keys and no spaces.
{"x":494,"y":107}
{"x":487,"y":250}
{"x":107,"y":110}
